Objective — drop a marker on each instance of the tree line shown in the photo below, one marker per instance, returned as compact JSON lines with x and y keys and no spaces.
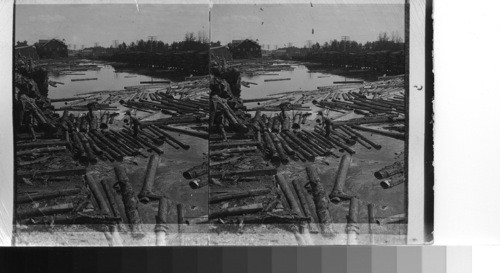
{"x":385,"y":42}
{"x":190,"y":42}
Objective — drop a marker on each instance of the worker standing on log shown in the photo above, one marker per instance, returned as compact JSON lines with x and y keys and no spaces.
{"x":133,"y":123}
{"x":325,"y":123}
{"x":90,"y":115}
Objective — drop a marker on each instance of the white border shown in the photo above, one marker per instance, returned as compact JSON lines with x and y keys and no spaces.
{"x":6,"y":133}
{"x":417,"y":70}
{"x":416,"y":123}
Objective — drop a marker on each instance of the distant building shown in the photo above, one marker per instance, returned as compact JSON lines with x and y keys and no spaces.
{"x":279,"y":53}
{"x":96,"y":52}
{"x":221,"y":52}
{"x":247,"y":49}
{"x":27,"y":52}
{"x":51,"y":49}
{"x":266,"y":53}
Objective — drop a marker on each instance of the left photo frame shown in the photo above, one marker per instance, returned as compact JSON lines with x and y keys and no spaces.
{"x":110,"y":120}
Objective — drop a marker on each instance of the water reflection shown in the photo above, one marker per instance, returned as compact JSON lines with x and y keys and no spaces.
{"x":107,"y":79}
{"x":301,"y":78}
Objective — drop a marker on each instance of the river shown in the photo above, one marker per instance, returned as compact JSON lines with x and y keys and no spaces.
{"x":301,"y":78}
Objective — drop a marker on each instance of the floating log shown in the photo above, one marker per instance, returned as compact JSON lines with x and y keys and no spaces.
{"x":296,"y":121}
{"x":337,"y":193}
{"x":44,"y":143}
{"x":93,"y":145}
{"x":145,"y":141}
{"x":390,"y":183}
{"x":400,"y":136}
{"x":130,"y":201}
{"x":107,"y":149}
{"x":161,"y":222}
{"x":237,"y":195}
{"x":235,"y":123}
{"x":64,"y":99}
{"x":281,"y":79}
{"x":119,"y":150}
{"x":196,"y":171}
{"x":60,"y":172}
{"x":374,"y":145}
{"x":203,"y":135}
{"x":198,"y":183}
{"x":388,"y":171}
{"x":36,"y":161}
{"x":272,"y":218}
{"x":253,"y":172}
{"x":299,"y":189}
{"x":392,"y":219}
{"x":84,"y":79}
{"x":234,"y":150}
{"x":337,"y":141}
{"x":180,"y":216}
{"x":297,"y":147}
{"x":287,"y":191}
{"x":111,"y":196}
{"x":371,"y":220}
{"x":168,"y":136}
{"x":96,"y":191}
{"x":257,"y":100}
{"x":247,"y":209}
{"x":75,"y":219}
{"x":153,"y":82}
{"x":347,"y":82}
{"x":149,"y":179}
{"x":281,"y":151}
{"x":285,"y":145}
{"x":56,"y":209}
{"x":42,"y":150}
{"x":320,"y":201}
{"x":352,"y":227}
{"x":88,"y":150}
{"x":230,"y":144}
{"x":367,"y":120}
{"x":196,"y":220}
{"x":275,"y":158}
{"x":26,"y":198}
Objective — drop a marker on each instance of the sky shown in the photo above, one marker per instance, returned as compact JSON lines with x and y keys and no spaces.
{"x":101,"y":23}
{"x":276,"y":25}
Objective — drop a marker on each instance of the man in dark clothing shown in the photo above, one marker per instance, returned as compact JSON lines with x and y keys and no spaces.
{"x":326,"y":123}
{"x":134,"y":123}
{"x":91,"y":118}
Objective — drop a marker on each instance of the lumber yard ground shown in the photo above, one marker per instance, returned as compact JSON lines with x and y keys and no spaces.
{"x":256,"y":185}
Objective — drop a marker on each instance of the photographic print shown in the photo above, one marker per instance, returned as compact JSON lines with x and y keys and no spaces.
{"x":218,"y":124}
{"x":111,"y":120}
{"x":307,"y":129}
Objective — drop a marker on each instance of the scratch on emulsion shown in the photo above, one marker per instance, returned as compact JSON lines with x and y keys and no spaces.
{"x":137,"y":5}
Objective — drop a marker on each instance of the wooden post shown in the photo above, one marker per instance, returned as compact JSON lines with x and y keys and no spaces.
{"x":108,"y":191}
{"x":149,"y":180}
{"x":352,"y":227}
{"x":56,"y":209}
{"x":287,"y":191}
{"x":320,"y":200}
{"x":337,"y":193}
{"x":94,"y":187}
{"x":247,"y":209}
{"x":129,"y":198}
{"x":161,"y":222}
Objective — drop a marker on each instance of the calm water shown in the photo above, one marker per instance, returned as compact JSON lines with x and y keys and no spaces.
{"x":107,"y":79}
{"x":301,"y":79}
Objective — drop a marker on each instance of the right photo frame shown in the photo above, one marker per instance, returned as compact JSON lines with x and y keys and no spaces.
{"x":310,"y":122}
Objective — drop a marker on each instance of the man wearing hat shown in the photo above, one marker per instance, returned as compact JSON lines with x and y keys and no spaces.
{"x":326,"y":123}
{"x":133,"y":123}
